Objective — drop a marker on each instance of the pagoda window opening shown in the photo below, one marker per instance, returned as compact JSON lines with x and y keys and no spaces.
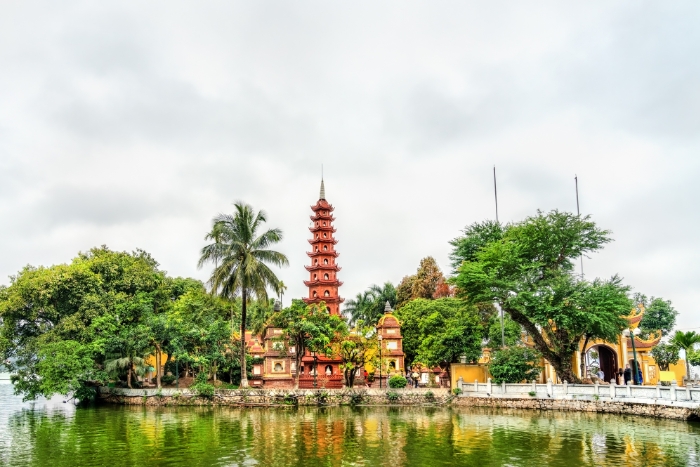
{"x":316,"y":262}
{"x":325,"y":276}
{"x":325,"y":247}
{"x":314,"y":276}
{"x":329,"y":370}
{"x":326,"y":294}
{"x":316,"y":248}
{"x":315,"y":294}
{"x":324,"y":235}
{"x":324,"y":224}
{"x":325,"y":261}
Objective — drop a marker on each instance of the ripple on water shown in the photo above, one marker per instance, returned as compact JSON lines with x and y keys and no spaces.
{"x":52,"y":433}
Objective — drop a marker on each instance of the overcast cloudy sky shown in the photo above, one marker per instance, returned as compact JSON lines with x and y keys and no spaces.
{"x":132,"y":124}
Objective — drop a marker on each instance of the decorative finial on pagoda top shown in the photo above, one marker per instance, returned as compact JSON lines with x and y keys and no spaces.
{"x":387,"y":307}
{"x":323,"y":191}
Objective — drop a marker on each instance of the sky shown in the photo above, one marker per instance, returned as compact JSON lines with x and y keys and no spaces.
{"x":133,"y":124}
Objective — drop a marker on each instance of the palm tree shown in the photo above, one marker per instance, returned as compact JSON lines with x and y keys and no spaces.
{"x":686,"y":341}
{"x":240,"y":255}
{"x":356,"y":308}
{"x":369,"y":305}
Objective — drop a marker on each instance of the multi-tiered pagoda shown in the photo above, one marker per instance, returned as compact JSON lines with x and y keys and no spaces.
{"x":323,"y":282}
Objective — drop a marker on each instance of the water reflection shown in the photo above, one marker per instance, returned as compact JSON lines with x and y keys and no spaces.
{"x":52,"y":433}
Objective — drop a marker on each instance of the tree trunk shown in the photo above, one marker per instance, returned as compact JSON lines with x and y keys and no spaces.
{"x":298,"y":354}
{"x":128,"y":374}
{"x":244,"y":374}
{"x":583,"y":358}
{"x":159,"y":358}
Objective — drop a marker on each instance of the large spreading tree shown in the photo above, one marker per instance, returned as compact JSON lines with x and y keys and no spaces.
{"x":241,"y":254}
{"x":529,"y":271}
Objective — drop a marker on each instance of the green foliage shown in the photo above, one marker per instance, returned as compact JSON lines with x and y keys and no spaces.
{"x":456,"y":391}
{"x":529,"y":273}
{"x":356,"y":348}
{"x":393,"y":396}
{"x":514,"y":364}
{"x":424,"y":284}
{"x":532,"y":393}
{"x":168,"y":379}
{"x":397,"y":382}
{"x":437,"y":332}
{"x":321,"y":397}
{"x":308,"y":328}
{"x":665,"y":355}
{"x":474,"y":238}
{"x":429,"y":396}
{"x":686,"y":341}
{"x":693,"y":357}
{"x":357,"y":397}
{"x":368,"y":306}
{"x":241,"y":259}
{"x":512,"y":333}
{"x":659,"y":315}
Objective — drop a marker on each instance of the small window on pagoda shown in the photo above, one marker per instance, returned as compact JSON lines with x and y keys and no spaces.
{"x":324,"y":224}
{"x":315,"y":295}
{"x":329,"y":370}
{"x":392,"y":365}
{"x":314,"y":276}
{"x":316,"y":235}
{"x":278,"y":367}
{"x":324,"y":235}
{"x":326,"y":294}
{"x":325,"y":247}
{"x":325,"y":276}
{"x":315,"y":261}
{"x":316,"y":248}
{"x":325,"y":261}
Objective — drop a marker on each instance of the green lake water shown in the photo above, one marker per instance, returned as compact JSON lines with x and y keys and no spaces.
{"x":51,"y":433}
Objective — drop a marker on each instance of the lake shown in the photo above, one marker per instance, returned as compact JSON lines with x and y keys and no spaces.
{"x":53,"y":433}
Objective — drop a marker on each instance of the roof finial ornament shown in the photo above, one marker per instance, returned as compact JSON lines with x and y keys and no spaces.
{"x":323,"y":188}
{"x":387,"y":307}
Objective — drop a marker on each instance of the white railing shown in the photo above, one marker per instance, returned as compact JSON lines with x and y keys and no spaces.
{"x":596,"y":391}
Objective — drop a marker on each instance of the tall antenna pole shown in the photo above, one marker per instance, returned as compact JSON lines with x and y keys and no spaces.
{"x":495,"y":191}
{"x":578,"y":211}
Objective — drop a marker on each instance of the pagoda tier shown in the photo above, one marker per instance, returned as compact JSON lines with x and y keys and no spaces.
{"x":322,"y":240}
{"x":310,"y":283}
{"x":322,"y":217}
{"x":327,"y":267}
{"x":323,"y":228}
{"x":333,"y":253}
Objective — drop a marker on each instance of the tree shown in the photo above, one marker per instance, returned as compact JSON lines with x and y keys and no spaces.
{"x":240,"y":257}
{"x":665,"y":355}
{"x":448,"y":333}
{"x":476,"y":236}
{"x":307,"y":327}
{"x":659,"y":315}
{"x":512,"y":332}
{"x":514,"y":364}
{"x":368,"y":306}
{"x":686,"y":341}
{"x":529,"y":272}
{"x":356,"y":348}
{"x":438,"y":332}
{"x":424,"y":284}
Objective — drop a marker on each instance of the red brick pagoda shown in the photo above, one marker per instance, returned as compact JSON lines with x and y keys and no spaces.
{"x":323,"y":283}
{"x":323,"y":286}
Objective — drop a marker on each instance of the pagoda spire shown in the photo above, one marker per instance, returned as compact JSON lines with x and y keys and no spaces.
{"x":323,"y":280}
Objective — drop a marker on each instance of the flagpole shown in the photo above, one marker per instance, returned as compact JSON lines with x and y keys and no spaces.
{"x":578,"y":211}
{"x":495,"y":191}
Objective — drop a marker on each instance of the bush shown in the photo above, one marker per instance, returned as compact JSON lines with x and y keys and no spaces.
{"x":532,"y":393}
{"x":393,"y":396}
{"x":321,"y":397}
{"x":429,"y":396}
{"x":167,"y":379}
{"x":456,"y":391}
{"x":357,"y":397}
{"x":397,"y":382}
{"x":514,"y":364}
{"x":201,"y":387}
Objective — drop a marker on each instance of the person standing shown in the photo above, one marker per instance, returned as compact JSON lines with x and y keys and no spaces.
{"x":627,"y":374}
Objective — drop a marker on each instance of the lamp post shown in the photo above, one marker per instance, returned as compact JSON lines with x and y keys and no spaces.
{"x":632,"y":334}
{"x":379,"y":338}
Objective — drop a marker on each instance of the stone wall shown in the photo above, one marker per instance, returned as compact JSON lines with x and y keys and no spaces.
{"x":677,"y":411}
{"x":278,"y":397}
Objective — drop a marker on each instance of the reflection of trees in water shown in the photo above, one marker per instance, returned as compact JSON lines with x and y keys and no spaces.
{"x":120,"y":436}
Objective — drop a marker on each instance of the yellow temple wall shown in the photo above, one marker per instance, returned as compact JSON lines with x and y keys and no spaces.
{"x":468,"y":372}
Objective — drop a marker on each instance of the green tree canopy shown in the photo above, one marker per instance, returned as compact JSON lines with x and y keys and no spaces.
{"x":423,"y":284}
{"x":474,"y":238}
{"x":686,"y":341}
{"x":529,"y":273}
{"x":356,"y":348}
{"x":665,"y":355}
{"x":438,"y":332}
{"x":308,"y":327}
{"x":659,"y":315}
{"x":368,"y":306}
{"x":241,"y":256}
{"x":514,"y":365}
